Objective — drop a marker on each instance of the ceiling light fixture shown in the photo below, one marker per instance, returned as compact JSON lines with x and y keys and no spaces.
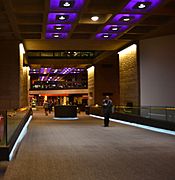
{"x":126,"y":18}
{"x":56,"y":35}
{"x":113,"y":28}
{"x":94,"y":18}
{"x":105,"y":36}
{"x":58,"y":28}
{"x":55,"y":18}
{"x":66,"y":4}
{"x":54,"y":28}
{"x":61,"y":17}
{"x":142,"y":5}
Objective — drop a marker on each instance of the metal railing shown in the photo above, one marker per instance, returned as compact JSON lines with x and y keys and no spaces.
{"x":164,"y":113}
{"x":10,"y":121}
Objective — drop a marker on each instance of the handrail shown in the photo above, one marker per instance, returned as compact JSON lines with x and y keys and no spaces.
{"x":166,"y":113}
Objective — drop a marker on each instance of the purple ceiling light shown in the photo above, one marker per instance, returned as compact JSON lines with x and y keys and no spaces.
{"x":45,"y":70}
{"x":106,"y":36}
{"x":58,"y":27}
{"x":43,"y":78}
{"x":61,"y":17}
{"x":66,"y":70}
{"x":126,"y":19}
{"x":67,"y":5}
{"x":56,"y":35}
{"x":114,"y":28}
{"x":34,"y":71}
{"x":141,"y":5}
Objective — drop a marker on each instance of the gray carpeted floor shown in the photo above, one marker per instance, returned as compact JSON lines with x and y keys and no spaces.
{"x":85,"y":150}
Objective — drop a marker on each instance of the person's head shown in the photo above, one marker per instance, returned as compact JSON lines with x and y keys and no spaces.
{"x":107,"y":97}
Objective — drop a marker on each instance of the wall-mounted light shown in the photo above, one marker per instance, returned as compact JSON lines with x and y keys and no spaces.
{"x":91,"y":69}
{"x":128,"y":49}
{"x":21,"y":47}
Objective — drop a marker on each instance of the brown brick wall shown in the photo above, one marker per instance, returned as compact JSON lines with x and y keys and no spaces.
{"x":129,"y":85}
{"x":13,"y":81}
{"x":91,"y":86}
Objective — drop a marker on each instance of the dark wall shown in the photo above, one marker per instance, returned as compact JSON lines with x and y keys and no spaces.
{"x":107,"y":79}
{"x":9,"y":74}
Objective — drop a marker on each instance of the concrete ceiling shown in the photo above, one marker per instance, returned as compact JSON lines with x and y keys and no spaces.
{"x":26,"y":20}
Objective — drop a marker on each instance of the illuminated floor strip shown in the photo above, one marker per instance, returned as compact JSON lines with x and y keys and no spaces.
{"x":20,"y":137}
{"x":66,"y":118}
{"x":139,"y":125}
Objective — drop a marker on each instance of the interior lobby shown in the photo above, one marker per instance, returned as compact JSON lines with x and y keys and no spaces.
{"x":73,"y":53}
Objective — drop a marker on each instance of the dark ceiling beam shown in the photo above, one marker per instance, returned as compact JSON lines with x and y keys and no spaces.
{"x":45,"y":14}
{"x":79,"y":15}
{"x":76,"y":44}
{"x":166,"y":29}
{"x":102,"y":56}
{"x":60,"y":61}
{"x":11,"y":17}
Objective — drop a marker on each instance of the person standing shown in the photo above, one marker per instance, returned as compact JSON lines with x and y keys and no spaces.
{"x":46,"y":107}
{"x":107,"y":110}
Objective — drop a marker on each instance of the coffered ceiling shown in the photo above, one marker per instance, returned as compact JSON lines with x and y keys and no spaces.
{"x":60,"y":25}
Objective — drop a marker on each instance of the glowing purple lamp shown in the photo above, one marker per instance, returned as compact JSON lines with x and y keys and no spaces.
{"x":57,"y":28}
{"x":106,"y":36}
{"x":126,"y":19}
{"x":114,"y":28}
{"x":61,"y":17}
{"x":56,"y":35}
{"x":68,"y":5}
{"x":141,"y":5}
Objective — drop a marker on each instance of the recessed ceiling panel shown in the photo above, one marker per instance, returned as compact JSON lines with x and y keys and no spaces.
{"x":114,"y":28}
{"x":30,"y":28}
{"x":56,"y":28}
{"x":86,"y":18}
{"x":56,"y":35}
{"x":87,"y":28}
{"x":81,"y":36}
{"x":126,"y":19}
{"x":139,"y":6}
{"x":26,"y":18}
{"x":61,"y":17}
{"x":66,"y":5}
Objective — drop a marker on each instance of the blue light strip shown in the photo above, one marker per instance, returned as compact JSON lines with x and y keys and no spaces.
{"x":139,"y":125}
{"x":19,"y":139}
